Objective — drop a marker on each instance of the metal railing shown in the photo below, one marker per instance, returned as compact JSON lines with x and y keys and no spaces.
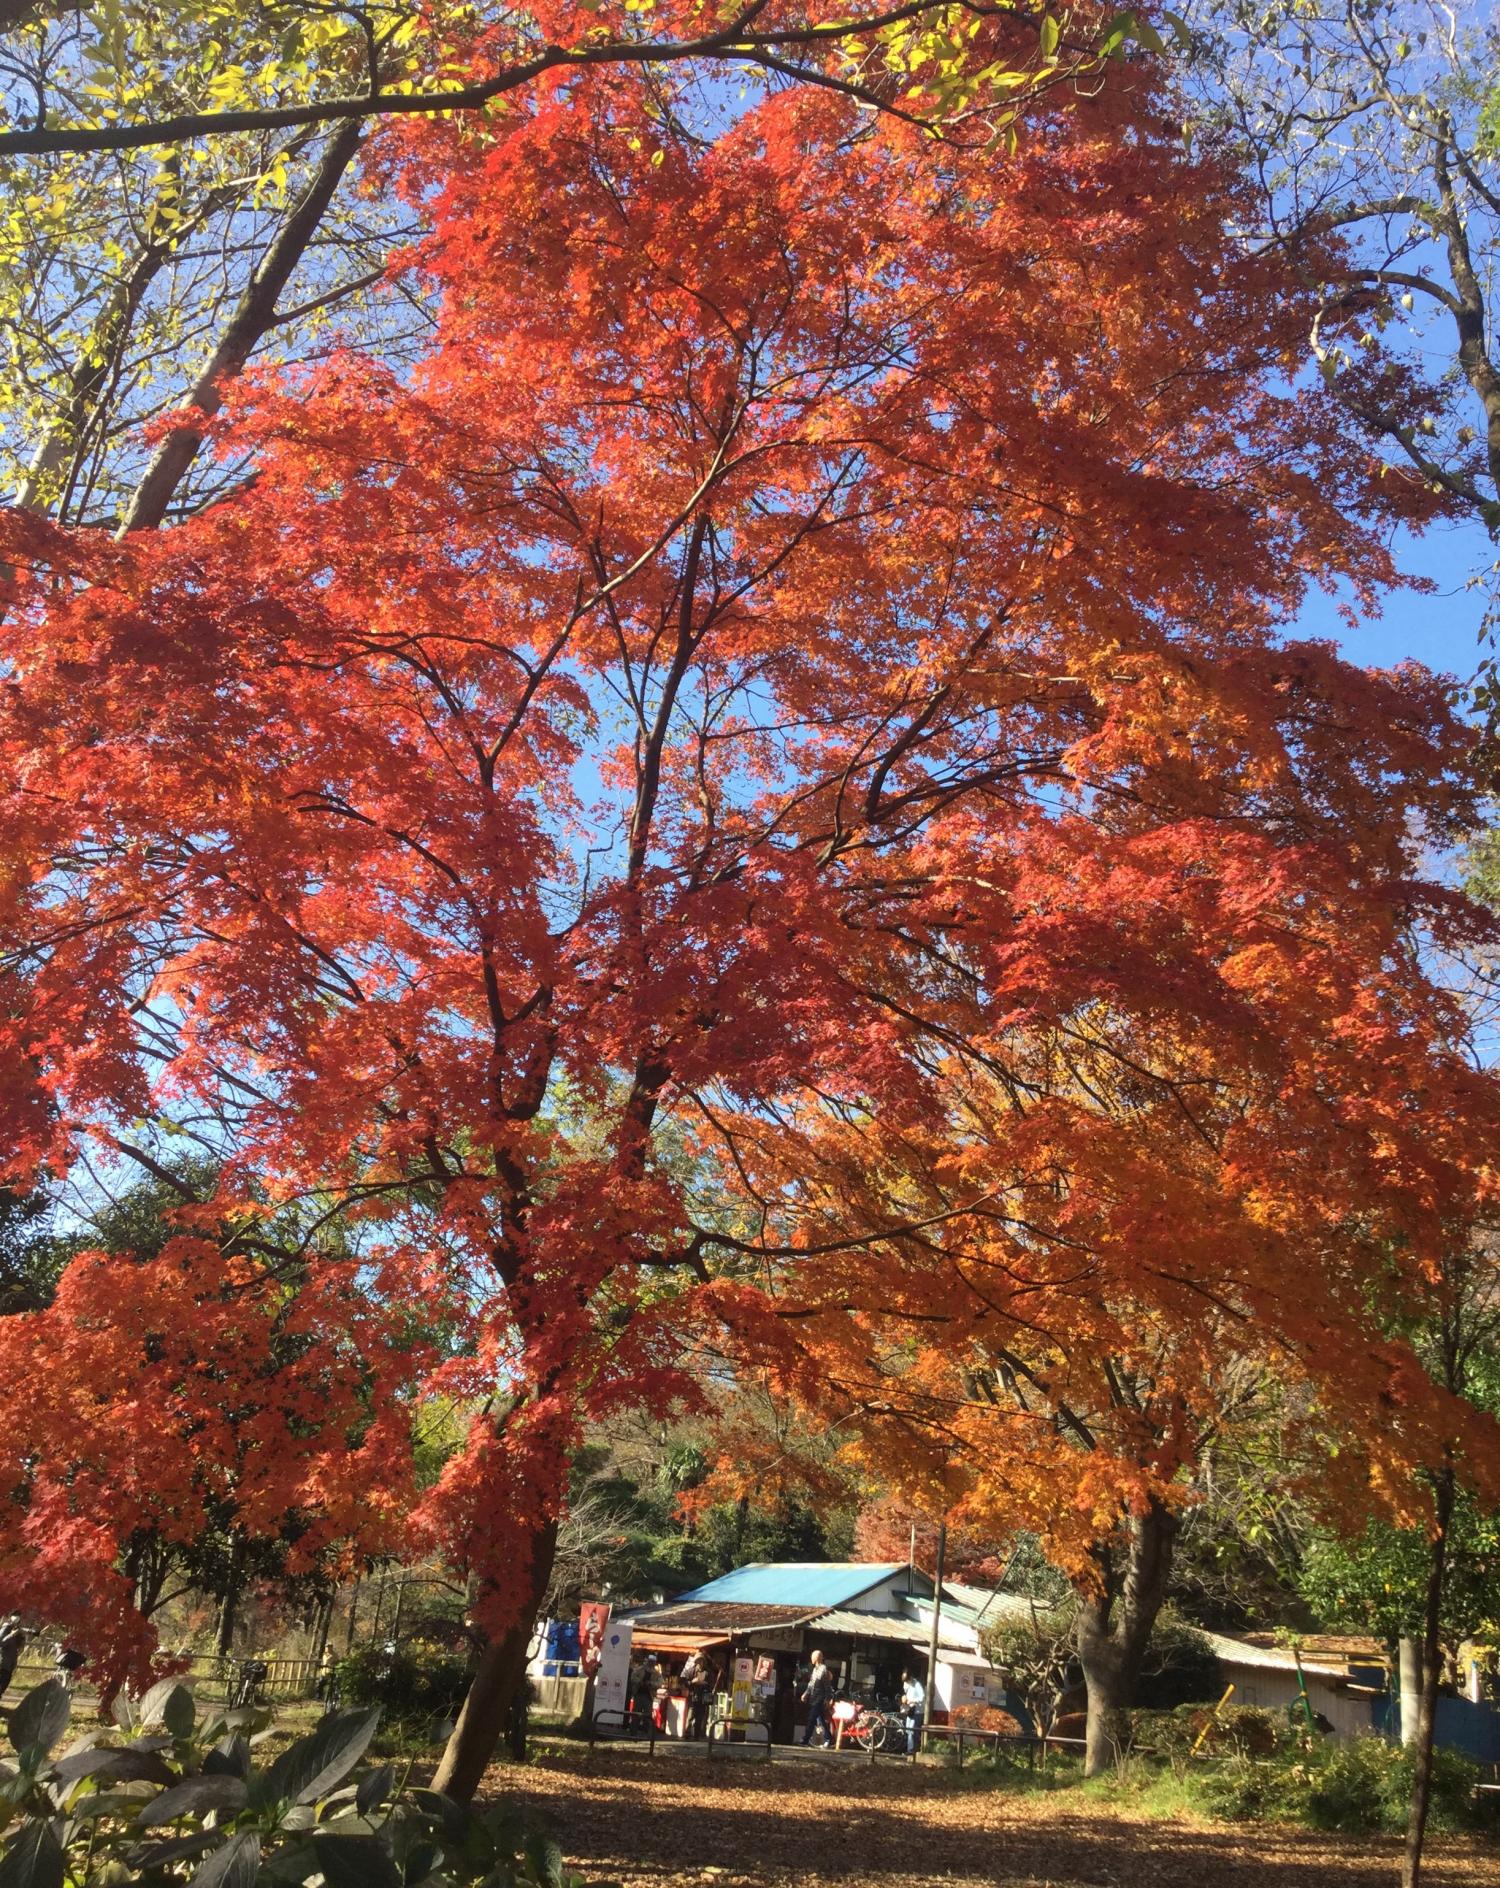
{"x":634,"y":1728}
{"x":728,"y":1727}
{"x":965,"y":1734}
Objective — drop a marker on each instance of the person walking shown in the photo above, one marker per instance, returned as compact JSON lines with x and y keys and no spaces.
{"x":817,"y":1696}
{"x":913,"y":1698}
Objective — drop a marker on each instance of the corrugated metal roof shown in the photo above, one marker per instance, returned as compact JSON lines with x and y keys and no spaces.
{"x":810,"y":1584}
{"x":686,"y":1616}
{"x":991,"y":1609}
{"x":1325,"y":1647}
{"x":1319,"y":1662}
{"x":905,"y":1630}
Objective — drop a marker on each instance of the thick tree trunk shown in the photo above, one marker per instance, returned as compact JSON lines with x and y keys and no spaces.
{"x":502,"y":1671}
{"x":1114,"y":1629}
{"x":1432,"y":1665}
{"x":1111,"y":1689}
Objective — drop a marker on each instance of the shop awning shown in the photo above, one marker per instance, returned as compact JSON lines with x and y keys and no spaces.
{"x":676,"y":1641}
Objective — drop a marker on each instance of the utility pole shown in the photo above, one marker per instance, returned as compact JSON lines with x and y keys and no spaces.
{"x":937,"y":1614}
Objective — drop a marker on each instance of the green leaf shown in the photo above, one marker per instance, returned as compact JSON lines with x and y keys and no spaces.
{"x":546,"y":1859}
{"x":193,"y":1797}
{"x":374,"y":1788}
{"x":355,"y":1862}
{"x":230,"y":1757}
{"x":454,"y":1819}
{"x":34,"y":1859}
{"x":1049,"y":36}
{"x":179,"y":1713}
{"x":41,"y":1717}
{"x":113,"y":1766}
{"x":236,"y":1865}
{"x":151,"y":1712}
{"x":315,"y":1764}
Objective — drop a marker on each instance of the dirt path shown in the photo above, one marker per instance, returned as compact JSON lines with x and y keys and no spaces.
{"x":652,"y":1822}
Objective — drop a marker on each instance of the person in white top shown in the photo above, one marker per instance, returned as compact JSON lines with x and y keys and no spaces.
{"x":913,"y":1697}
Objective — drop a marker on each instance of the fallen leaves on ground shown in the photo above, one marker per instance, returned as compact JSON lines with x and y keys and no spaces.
{"x":652,"y":1821}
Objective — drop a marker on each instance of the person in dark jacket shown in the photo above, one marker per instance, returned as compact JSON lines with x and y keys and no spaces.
{"x":818,"y":1696}
{"x":12,"y":1644}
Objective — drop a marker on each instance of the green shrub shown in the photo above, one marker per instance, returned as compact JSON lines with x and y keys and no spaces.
{"x":170,"y":1797}
{"x":410,"y":1690}
{"x":1194,"y":1730}
{"x":1360,"y":1786}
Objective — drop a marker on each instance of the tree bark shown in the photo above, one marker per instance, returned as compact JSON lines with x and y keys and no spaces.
{"x":1432,"y":1664}
{"x":321,"y":1625}
{"x":501,"y":1672}
{"x":1115,"y":1622}
{"x":253,"y":316}
{"x":1409,"y":1688}
{"x":230,"y":1604}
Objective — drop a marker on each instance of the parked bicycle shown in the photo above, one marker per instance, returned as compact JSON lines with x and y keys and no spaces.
{"x":874,"y":1729}
{"x":249,"y":1685}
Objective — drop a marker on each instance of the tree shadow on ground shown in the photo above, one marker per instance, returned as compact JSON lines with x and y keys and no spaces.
{"x":649,"y":1822}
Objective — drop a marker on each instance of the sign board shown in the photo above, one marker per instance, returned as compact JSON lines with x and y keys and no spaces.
{"x":739,"y":1691}
{"x":778,"y":1641}
{"x":612,"y":1678}
{"x":593,"y":1617}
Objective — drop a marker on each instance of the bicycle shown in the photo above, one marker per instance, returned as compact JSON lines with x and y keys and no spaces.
{"x":253,"y":1674}
{"x":874,"y":1729}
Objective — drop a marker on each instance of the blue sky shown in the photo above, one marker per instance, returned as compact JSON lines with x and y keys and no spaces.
{"x":1440,"y":629}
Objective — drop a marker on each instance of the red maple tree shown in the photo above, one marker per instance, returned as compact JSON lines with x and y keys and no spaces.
{"x":812,"y":613}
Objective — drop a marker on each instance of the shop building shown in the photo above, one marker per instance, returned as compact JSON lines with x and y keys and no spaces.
{"x":871,"y":1621}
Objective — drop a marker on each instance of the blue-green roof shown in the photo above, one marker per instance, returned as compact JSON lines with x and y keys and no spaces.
{"x":810,"y":1583}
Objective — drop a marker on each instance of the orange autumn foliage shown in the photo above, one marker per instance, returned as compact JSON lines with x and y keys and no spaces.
{"x":794,"y":669}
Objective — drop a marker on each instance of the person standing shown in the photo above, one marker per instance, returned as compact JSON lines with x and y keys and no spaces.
{"x":817,"y":1697}
{"x":913,"y":1698}
{"x":12,"y":1644}
{"x":696,"y":1675}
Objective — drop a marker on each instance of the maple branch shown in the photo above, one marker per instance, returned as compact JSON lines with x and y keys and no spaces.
{"x":650,"y":780}
{"x":732,"y":42}
{"x":876,"y":1236}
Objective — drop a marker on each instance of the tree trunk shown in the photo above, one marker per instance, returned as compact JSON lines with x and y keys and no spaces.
{"x":322,"y":1622}
{"x":1432,"y":1665}
{"x":1114,"y":1628}
{"x":229,"y":1605}
{"x":1409,"y":1689}
{"x":501,"y":1672}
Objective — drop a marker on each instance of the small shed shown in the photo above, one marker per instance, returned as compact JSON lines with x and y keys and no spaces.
{"x":1345,"y":1676}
